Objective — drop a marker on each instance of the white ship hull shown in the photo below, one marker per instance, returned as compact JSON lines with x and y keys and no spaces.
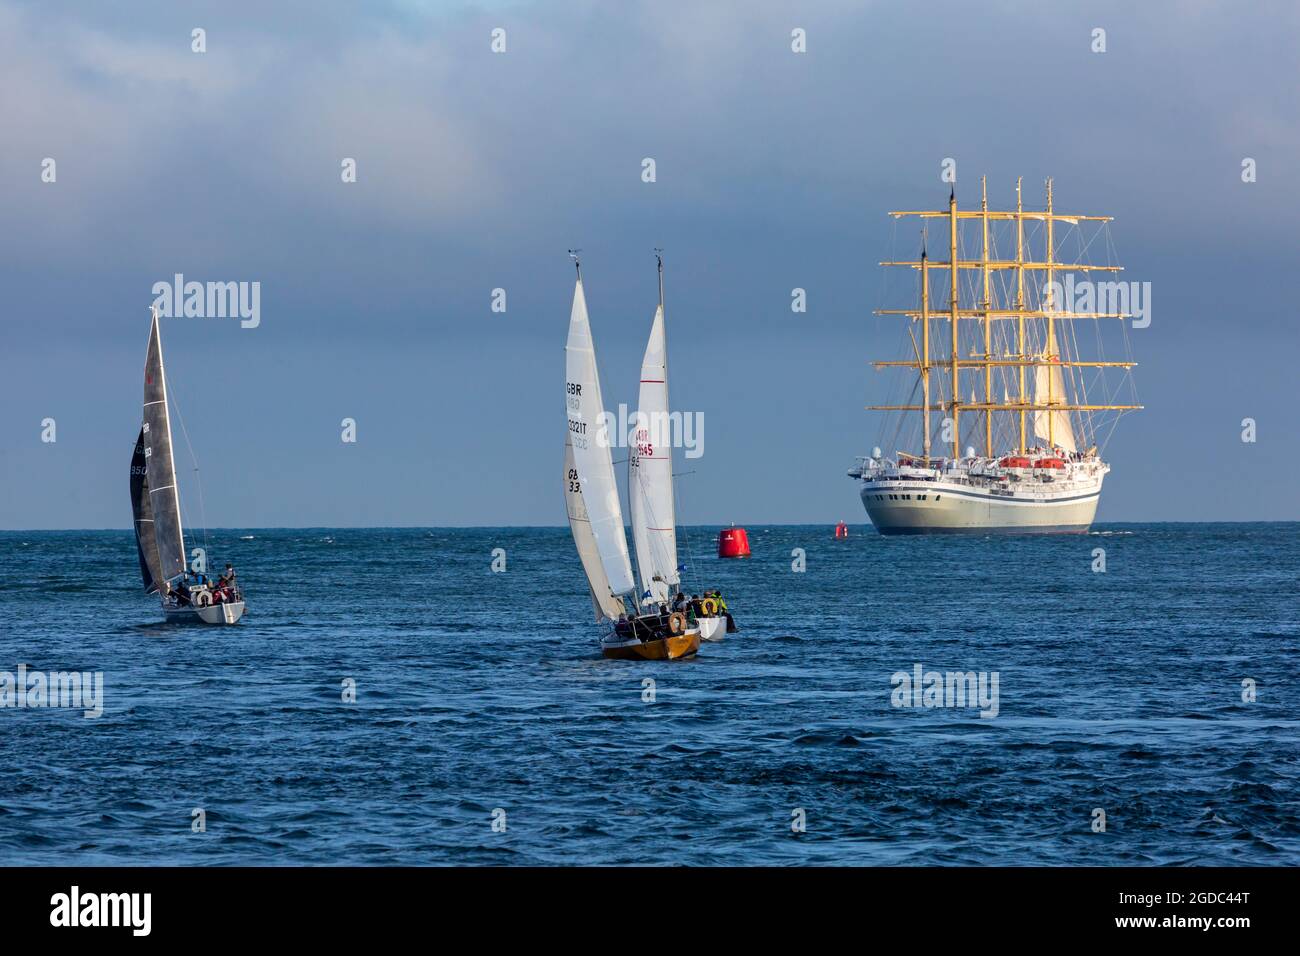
{"x":943,"y":506}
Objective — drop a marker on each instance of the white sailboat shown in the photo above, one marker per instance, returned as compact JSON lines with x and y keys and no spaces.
{"x":595,"y":516}
{"x":155,"y":502}
{"x":650,"y":483}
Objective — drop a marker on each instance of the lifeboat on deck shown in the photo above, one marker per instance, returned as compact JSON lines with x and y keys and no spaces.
{"x":1014,"y":461}
{"x":1049,"y":463}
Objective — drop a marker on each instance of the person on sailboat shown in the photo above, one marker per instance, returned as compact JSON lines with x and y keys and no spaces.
{"x":228,"y":582}
{"x":722,"y":610}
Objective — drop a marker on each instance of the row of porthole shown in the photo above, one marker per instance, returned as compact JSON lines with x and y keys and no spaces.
{"x":904,"y":497}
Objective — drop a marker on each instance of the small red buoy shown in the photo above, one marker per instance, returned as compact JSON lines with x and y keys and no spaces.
{"x":841,"y":530}
{"x":733,"y":542}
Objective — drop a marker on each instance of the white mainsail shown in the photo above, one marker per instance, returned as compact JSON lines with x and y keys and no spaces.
{"x":590,"y":448}
{"x":605,"y":603}
{"x":1052,"y":425}
{"x":650,"y":474}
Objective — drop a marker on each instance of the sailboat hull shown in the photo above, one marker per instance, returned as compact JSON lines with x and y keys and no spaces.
{"x":942,"y":507}
{"x":712,"y":628}
{"x":662,"y":649}
{"x":226,"y":613}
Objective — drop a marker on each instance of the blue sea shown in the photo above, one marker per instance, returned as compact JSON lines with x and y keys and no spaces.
{"x":486,"y":729}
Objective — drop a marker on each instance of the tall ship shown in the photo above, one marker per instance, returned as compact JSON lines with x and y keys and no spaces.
{"x":1003,"y":402}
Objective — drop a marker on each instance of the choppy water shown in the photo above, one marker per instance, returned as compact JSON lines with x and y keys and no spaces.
{"x":476,"y":691}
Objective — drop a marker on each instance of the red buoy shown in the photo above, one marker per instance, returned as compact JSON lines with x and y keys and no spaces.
{"x":733,"y":542}
{"x":841,"y":530}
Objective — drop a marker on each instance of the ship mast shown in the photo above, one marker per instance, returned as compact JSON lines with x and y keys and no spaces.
{"x":1050,"y":307}
{"x":987,"y":312}
{"x":988,"y":325}
{"x":925,"y":349}
{"x":952,"y":261}
{"x":1020,"y":309}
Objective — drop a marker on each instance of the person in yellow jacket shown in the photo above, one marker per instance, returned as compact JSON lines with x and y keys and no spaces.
{"x":723,"y":612}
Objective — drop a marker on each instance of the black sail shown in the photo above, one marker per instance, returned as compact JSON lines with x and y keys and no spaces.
{"x":164,"y":497}
{"x":145,"y":546}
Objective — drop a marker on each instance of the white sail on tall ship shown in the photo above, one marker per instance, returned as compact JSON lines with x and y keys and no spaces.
{"x":999,"y":422}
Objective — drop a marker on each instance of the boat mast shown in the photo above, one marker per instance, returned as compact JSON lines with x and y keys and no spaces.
{"x":167,"y":419}
{"x":925,"y":347}
{"x":659,"y":261}
{"x":659,"y":258}
{"x":1051,"y":307}
{"x":988,"y":326}
{"x":985,"y":312}
{"x":1020,"y":307}
{"x":952,"y":259}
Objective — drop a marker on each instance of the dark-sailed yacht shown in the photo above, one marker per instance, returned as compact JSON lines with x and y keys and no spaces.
{"x":186,"y":594}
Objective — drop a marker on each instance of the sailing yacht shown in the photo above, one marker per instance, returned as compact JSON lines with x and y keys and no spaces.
{"x":596,"y":516}
{"x":1037,"y":467}
{"x":651,"y":499}
{"x":155,"y":501}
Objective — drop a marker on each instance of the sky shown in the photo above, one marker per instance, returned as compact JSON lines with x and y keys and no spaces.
{"x":476,"y":170}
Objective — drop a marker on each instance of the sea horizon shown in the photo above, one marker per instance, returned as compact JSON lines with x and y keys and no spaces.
{"x":865,"y":523}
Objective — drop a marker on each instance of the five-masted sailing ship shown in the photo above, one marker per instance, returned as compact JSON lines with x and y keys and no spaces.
{"x":185,"y":594}
{"x":1034,"y":462}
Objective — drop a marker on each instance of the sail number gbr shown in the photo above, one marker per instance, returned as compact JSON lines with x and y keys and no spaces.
{"x":577,"y":427}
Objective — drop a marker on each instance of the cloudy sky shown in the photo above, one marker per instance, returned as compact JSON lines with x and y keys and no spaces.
{"x":477,"y":170}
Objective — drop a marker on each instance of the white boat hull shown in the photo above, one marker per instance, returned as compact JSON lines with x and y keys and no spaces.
{"x":910,"y":506}
{"x":711,"y":628}
{"x":226,"y":613}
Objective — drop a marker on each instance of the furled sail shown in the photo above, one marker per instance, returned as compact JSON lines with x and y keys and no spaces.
{"x":591,"y":450}
{"x":145,"y":546}
{"x":650,"y":474}
{"x":160,"y":469}
{"x":605,"y":603}
{"x":1052,"y":425}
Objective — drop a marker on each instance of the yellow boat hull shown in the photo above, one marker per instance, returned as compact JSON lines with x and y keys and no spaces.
{"x":661,"y":649}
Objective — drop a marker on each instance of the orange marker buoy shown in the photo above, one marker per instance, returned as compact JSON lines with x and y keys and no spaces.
{"x":733,"y":542}
{"x":841,"y":530}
